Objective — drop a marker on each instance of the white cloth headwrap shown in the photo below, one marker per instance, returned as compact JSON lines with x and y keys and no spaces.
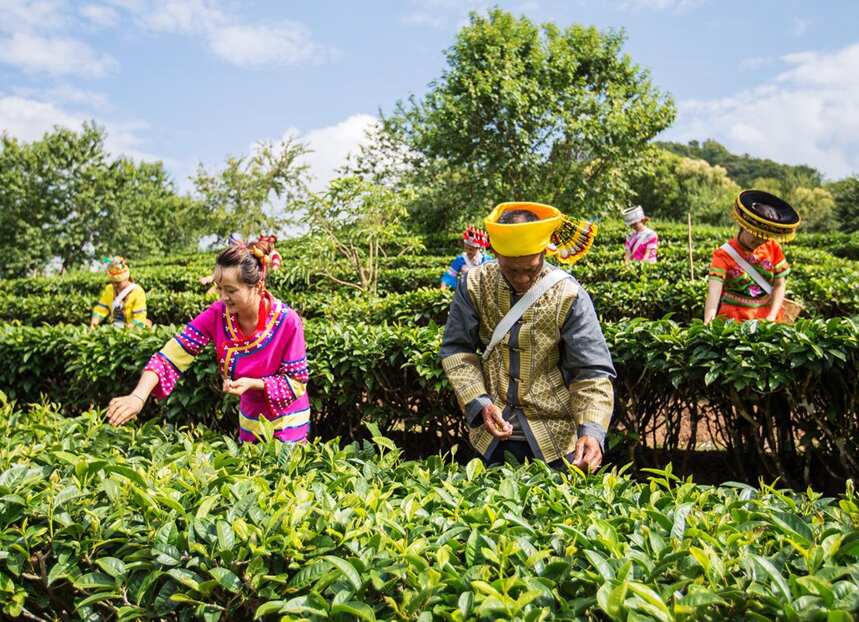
{"x":633,"y":215}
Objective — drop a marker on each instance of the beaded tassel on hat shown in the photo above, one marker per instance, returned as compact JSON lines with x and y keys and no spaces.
{"x":572,"y":240}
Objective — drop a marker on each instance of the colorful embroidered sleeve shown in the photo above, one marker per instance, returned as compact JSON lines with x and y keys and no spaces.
{"x":289,"y":382}
{"x":102,"y":308}
{"x":135,"y":308}
{"x":780,"y":266}
{"x":177,"y":354}
{"x":451,"y":275}
{"x":719,"y":265}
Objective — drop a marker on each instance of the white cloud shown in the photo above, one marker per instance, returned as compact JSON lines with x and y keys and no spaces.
{"x":100,"y":15}
{"x":32,"y":44}
{"x":67,"y":94}
{"x":806,"y":114}
{"x":34,"y":53}
{"x":239,"y":43}
{"x":27,"y":15}
{"x":836,"y":70}
{"x":442,"y":13}
{"x":180,"y":16}
{"x":285,"y":44}
{"x":331,"y":145}
{"x":27,"y":119}
{"x":31,"y":39}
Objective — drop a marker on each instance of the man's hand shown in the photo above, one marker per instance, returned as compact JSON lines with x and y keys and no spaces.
{"x":588,"y":455}
{"x":494,"y":422}
{"x":124,"y":408}
{"x":240,"y":385}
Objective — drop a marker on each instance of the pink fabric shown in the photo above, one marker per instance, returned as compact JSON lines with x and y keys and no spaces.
{"x":642,"y":245}
{"x":276,"y":354}
{"x":167,"y":373}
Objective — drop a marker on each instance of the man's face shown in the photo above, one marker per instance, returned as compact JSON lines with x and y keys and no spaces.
{"x":521,"y":272}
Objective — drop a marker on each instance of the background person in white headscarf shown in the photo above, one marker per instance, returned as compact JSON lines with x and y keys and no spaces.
{"x":642,"y":242}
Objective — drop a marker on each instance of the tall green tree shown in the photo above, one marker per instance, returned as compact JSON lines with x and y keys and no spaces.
{"x":51,"y":198}
{"x":846,"y":194}
{"x":253,"y":194}
{"x":670,"y":186}
{"x":744,"y":169}
{"x":552,"y":114}
{"x":65,"y":201}
{"x":815,"y":205}
{"x":145,"y":214}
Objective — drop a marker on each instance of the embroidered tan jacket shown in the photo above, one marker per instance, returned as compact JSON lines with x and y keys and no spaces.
{"x":551,"y":374}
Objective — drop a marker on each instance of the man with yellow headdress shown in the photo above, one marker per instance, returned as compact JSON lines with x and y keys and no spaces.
{"x":523,"y":348}
{"x":123,"y":300}
{"x":748,"y":274}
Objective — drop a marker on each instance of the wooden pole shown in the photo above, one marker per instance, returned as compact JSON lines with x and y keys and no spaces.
{"x":691,"y":258}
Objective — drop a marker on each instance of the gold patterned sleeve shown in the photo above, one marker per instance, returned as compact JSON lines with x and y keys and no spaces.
{"x":459,"y":358}
{"x":465,"y":374}
{"x":592,"y":401}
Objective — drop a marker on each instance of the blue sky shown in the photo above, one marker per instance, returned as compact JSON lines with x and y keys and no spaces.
{"x":192,"y":81}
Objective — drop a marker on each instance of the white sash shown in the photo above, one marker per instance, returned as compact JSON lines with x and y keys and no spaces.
{"x":748,"y":268}
{"x":639,"y":239}
{"x":118,"y":300}
{"x":525,"y":302}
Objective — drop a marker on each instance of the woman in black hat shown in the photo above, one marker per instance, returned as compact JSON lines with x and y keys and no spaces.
{"x":748,"y":273}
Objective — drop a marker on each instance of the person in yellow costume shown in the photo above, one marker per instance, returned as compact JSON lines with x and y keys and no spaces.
{"x":122,"y":300}
{"x":523,"y":348}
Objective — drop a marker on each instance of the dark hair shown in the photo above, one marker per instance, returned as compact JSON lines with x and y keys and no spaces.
{"x":516,"y":216}
{"x":249,"y":258}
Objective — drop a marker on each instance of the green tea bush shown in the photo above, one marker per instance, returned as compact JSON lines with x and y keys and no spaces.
{"x":824,"y":284}
{"x":156,"y":523}
{"x":782,"y":400}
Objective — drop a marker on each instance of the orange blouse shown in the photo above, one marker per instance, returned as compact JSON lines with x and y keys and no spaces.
{"x":742,"y":298}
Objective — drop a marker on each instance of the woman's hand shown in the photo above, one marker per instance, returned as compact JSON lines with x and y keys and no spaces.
{"x":240,"y":385}
{"x":123,"y":409}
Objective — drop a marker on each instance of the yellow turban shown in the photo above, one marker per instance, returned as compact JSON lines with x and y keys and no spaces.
{"x":565,"y":239}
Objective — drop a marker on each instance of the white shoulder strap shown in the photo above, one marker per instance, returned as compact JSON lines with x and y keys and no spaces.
{"x":748,"y":268}
{"x":518,"y":310}
{"x":117,"y":301}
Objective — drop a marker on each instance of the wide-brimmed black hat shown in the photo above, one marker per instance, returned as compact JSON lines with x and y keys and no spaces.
{"x":765,"y":215}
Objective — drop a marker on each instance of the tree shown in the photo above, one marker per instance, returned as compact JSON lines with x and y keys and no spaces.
{"x":744,"y":169}
{"x":360,"y":222}
{"x":815,"y":206}
{"x":64,"y":200}
{"x":845,"y":192}
{"x":52,"y":196}
{"x":670,"y":186}
{"x":146,"y":216}
{"x":239,"y":198}
{"x":523,"y":112}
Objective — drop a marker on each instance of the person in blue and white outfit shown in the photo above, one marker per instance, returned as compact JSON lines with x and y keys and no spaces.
{"x":475,"y":242}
